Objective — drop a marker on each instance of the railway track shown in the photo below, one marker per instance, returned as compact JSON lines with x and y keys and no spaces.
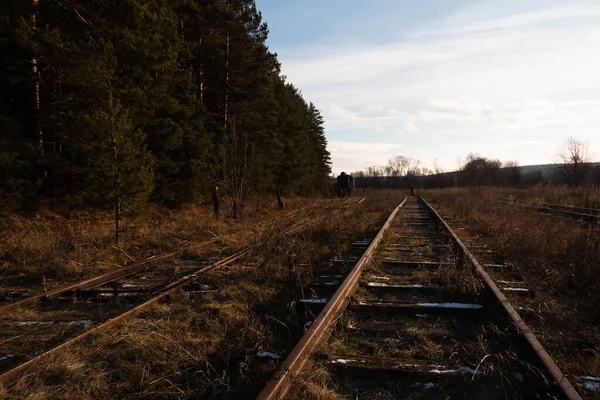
{"x":419,"y":317}
{"x":585,"y":214}
{"x":33,"y":328}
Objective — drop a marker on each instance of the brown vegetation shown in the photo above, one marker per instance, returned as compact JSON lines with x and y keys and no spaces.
{"x":206,"y":345}
{"x":558,"y":257}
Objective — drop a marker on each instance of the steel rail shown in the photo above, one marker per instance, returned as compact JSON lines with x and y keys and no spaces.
{"x":590,"y":214}
{"x":319,"y":330}
{"x":13,"y":373}
{"x":162,"y":293}
{"x":551,"y":368}
{"x":112,"y":276}
{"x":98,"y":280}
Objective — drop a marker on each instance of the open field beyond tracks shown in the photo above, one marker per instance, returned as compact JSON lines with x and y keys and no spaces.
{"x":233,"y":299}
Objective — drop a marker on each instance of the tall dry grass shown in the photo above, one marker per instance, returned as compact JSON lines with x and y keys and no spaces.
{"x":207,"y":347}
{"x":558,"y":257}
{"x":585,"y":196}
{"x":46,"y":250}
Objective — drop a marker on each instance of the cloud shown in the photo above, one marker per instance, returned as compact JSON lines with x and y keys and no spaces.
{"x":409,"y":127}
{"x":354,"y":156}
{"x":494,"y":77}
{"x":340,"y":113}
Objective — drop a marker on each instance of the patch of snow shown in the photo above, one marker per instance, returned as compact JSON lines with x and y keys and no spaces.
{"x":345,"y":361}
{"x":518,"y":377}
{"x":45,"y":323}
{"x":80,"y":322}
{"x":428,"y":385}
{"x":589,"y":378}
{"x":421,"y":315}
{"x":514,"y":289}
{"x":308,"y":324}
{"x":7,"y":357}
{"x":405,"y":286}
{"x":313,"y":301}
{"x":332,"y":283}
{"x":525,"y":309}
{"x":471,"y":371}
{"x":451,"y":305}
{"x":267,"y":354}
{"x":398,"y":366}
{"x":381,"y":278}
{"x":362,"y":303}
{"x":589,"y":383}
{"x":376,"y":284}
{"x":129,"y":294}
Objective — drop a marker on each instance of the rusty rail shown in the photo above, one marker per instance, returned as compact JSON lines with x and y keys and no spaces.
{"x":158,"y":295}
{"x":319,"y":330}
{"x":588,"y":214}
{"x":103,"y":279}
{"x":553,"y":370}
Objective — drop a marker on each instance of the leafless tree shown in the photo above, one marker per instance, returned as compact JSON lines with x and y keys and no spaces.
{"x":237,"y":156}
{"x":574,"y":159}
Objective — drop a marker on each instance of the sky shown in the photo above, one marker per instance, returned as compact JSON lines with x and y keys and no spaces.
{"x":436,"y":80}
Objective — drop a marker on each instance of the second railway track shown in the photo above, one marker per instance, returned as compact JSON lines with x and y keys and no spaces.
{"x":576,"y":213}
{"x":31,"y":329}
{"x":418,"y":317}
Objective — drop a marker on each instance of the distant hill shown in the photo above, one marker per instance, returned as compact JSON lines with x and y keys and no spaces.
{"x":547,"y":170}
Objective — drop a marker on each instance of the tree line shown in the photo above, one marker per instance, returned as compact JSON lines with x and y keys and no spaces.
{"x":573,"y":167}
{"x":403,"y":171}
{"x":125,"y":102}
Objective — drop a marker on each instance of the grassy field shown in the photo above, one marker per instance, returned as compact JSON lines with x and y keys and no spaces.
{"x":558,"y":257}
{"x":206,"y":346}
{"x":203,"y":346}
{"x":46,"y":250}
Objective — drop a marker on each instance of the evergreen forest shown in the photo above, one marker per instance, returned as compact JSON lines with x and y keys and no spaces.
{"x":131,"y":102}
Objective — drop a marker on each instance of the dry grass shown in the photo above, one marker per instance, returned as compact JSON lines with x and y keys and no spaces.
{"x":582,"y":197}
{"x":46,"y":250}
{"x":206,"y":347}
{"x":559,"y":259}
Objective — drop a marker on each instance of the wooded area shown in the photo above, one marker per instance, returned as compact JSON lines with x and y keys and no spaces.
{"x":126,"y":102}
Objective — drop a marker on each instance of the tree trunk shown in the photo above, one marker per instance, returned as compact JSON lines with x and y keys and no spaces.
{"x":36,"y":83}
{"x":117,"y":189}
{"x":227,"y":43}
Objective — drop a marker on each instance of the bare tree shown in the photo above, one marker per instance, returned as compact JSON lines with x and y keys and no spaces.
{"x":401,"y":167}
{"x":237,"y":156}
{"x":574,"y":158}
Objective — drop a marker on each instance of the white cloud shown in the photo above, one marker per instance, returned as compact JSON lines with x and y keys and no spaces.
{"x":354,"y":156}
{"x":344,"y":115}
{"x":409,"y":127}
{"x":495,"y":77}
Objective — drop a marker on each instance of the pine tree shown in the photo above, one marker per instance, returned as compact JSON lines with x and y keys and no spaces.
{"x":106,"y":102}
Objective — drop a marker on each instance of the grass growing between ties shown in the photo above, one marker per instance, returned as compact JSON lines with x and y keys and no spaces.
{"x":206,"y":344}
{"x":44,"y":251}
{"x":558,"y":257}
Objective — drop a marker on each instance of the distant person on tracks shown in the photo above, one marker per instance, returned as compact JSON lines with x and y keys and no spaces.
{"x":344,"y":184}
{"x":412,"y":190}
